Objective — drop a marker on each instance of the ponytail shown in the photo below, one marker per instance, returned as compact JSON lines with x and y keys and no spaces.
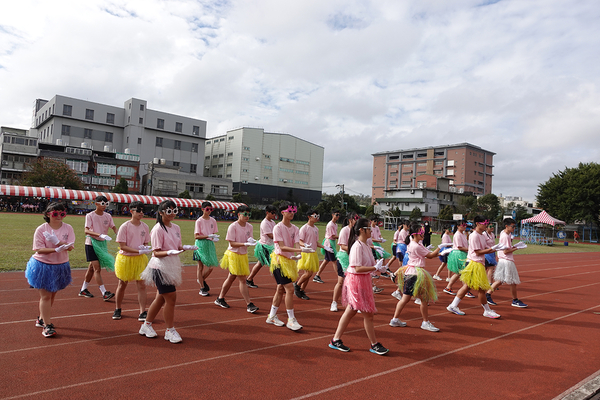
{"x":161,"y":207}
{"x":414,"y":228}
{"x":355,"y":231}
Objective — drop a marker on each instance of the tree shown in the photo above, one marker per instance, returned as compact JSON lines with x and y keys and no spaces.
{"x":489,"y":206}
{"x":572,"y":194}
{"x":184,"y":195}
{"x":242,"y":198}
{"x":48,"y":172}
{"x":467,"y":206}
{"x":121,"y":187}
{"x":210,"y":197}
{"x":415,"y":214}
{"x":446,"y":213}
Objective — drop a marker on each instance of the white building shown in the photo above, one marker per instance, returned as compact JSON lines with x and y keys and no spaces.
{"x":267,"y":166}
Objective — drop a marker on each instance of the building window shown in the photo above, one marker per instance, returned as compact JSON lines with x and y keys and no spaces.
{"x":176,"y":163}
{"x":229,"y":154}
{"x":222,"y":140}
{"x":196,"y":130}
{"x":245,"y":159}
{"x":78,"y":166}
{"x":177,"y":145}
{"x":286,"y":159}
{"x":178,"y":126}
{"x":246,"y":148}
{"x":108,"y":137}
{"x":450,"y":172}
{"x":302,"y":162}
{"x":221,"y":155}
{"x":220,"y":165}
{"x":268,"y":167}
{"x":66,"y":130}
{"x":87,"y":133}
{"x":207,"y":157}
{"x":266,"y":177}
{"x":215,"y":156}
{"x":228,"y":176}
{"x":141,"y":120}
{"x":244,"y":181}
{"x":193,"y":168}
{"x":139,"y":140}
{"x":141,"y":107}
{"x":194,"y":187}
{"x":229,"y":164}
{"x":208,"y":142}
{"x":127,"y":172}
{"x":266,"y":155}
{"x":244,"y":170}
{"x":106,"y":169}
{"x":306,"y":173}
{"x":407,"y":156}
{"x":89,"y":114}
{"x":160,"y":123}
{"x":110,"y":118}
{"x":194,"y":147}
{"x":159,"y":142}
{"x":67,"y":110}
{"x":218,"y":189}
{"x":393,"y":157}
{"x":286,"y":170}
{"x":230,"y":138}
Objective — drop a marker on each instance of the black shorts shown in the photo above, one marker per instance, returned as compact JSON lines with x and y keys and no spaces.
{"x":394,"y":250}
{"x":329,"y":256}
{"x":280,"y":279}
{"x":340,"y":270}
{"x":160,"y":286}
{"x":409,"y":284}
{"x":90,"y":254}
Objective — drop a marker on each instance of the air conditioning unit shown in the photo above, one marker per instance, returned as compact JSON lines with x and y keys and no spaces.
{"x":257,"y":158}
{"x":127,"y":151}
{"x":256,"y":178}
{"x":107,"y":147}
{"x":156,"y":161}
{"x":59,"y":142}
{"x":163,"y":161}
{"x":461,"y":190}
{"x":86,"y":145}
{"x":285,"y":181}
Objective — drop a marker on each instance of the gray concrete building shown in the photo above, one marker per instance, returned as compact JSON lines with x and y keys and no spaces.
{"x":17,"y":149}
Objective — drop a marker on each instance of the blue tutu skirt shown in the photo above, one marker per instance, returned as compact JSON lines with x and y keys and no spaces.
{"x":491,"y":259}
{"x":50,"y":277}
{"x":401,"y":250}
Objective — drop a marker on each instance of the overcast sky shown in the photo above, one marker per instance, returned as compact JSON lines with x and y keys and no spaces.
{"x":516,"y":77}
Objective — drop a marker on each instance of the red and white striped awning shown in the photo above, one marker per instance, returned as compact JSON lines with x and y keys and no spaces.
{"x":68,"y":194}
{"x":543,"y":218}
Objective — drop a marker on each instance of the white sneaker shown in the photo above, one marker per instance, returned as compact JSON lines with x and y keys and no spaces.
{"x":437,"y":278}
{"x":455,"y":310}
{"x":417,"y":301}
{"x":447,"y":279}
{"x":397,"y":295}
{"x":203,"y":293}
{"x":293,"y":324}
{"x":397,"y":322}
{"x":491,"y":314}
{"x":428,"y":326}
{"x":172,"y":336}
{"x":333,"y":306}
{"x":147,"y":330}
{"x":274,"y":321}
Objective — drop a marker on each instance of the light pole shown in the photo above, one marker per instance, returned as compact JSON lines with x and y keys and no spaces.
{"x":341,"y":187}
{"x":150,"y":167}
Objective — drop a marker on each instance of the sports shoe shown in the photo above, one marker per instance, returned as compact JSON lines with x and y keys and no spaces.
{"x":206,"y":288}
{"x":470,"y":295}
{"x":172,"y":336}
{"x":203,"y":293}
{"x":86,"y":293}
{"x":274,"y":321}
{"x":385,"y":274}
{"x":397,"y":323}
{"x":49,"y":330}
{"x":428,"y":326}
{"x":393,"y":277}
{"x":449,"y":291}
{"x":293,"y":324}
{"x":491,"y":314}
{"x":437,"y":278}
{"x":221,"y":303}
{"x":489,"y":299}
{"x":251,"y":308}
{"x":417,"y":301}
{"x":455,"y":310}
{"x":117,"y":314}
{"x":397,"y":295}
{"x":147,"y":330}
{"x":39,"y":322}
{"x":377,"y":348}
{"x":377,"y":289}
{"x":333,"y":307}
{"x":303,"y":295}
{"x":518,"y":303}
{"x":250,"y":283}
{"x":338,"y":345}
{"x":107,"y":296}
{"x":318,"y":279}
{"x":447,"y":279}
{"x":142,"y":316}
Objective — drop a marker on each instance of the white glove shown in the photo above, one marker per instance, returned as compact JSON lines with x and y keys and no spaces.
{"x":105,"y":237}
{"x":174,"y":252}
{"x":430,"y":247}
{"x":383,"y":240}
{"x":213,"y":235}
{"x":441,"y":246}
{"x":142,"y":247}
{"x":327,"y":248}
{"x":51,"y":237}
{"x":251,"y":241}
{"x":249,"y":244}
{"x":216,"y":239}
{"x":498,"y":247}
{"x":307,"y":249}
{"x":445,"y":251}
{"x":299,"y":256}
{"x":189,"y":247}
{"x":379,"y":266}
{"x":145,"y":251}
{"x":63,"y":247}
{"x":520,"y":245}
{"x":379,"y":251}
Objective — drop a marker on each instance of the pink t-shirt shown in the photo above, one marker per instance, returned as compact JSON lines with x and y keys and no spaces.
{"x":240,"y":234}
{"x":166,"y":240}
{"x":344,"y":236}
{"x":98,"y":223}
{"x":310,"y":235}
{"x":266,"y":227}
{"x":459,"y":240}
{"x":476,"y":242}
{"x":330,"y":231}
{"x":360,"y":256}
{"x":403,"y":235}
{"x":490,"y":239}
{"x":289,"y":235}
{"x":133,"y":236}
{"x":446,"y":238}
{"x":205,"y":227}
{"x":375,"y":233}
{"x":416,"y":257}
{"x":396,"y":236}
{"x":64,"y":234}
{"x":506,"y":239}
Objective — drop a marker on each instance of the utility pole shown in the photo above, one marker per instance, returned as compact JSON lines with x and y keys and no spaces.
{"x":341,"y":194}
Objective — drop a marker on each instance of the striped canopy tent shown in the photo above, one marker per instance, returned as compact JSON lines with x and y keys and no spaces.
{"x":536,"y":234}
{"x":119,"y":198}
{"x":543,"y":218}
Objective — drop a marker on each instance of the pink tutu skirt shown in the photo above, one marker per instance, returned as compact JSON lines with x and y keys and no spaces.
{"x":358,"y":293}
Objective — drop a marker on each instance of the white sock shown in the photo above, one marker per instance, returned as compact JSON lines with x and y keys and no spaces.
{"x":148,"y":323}
{"x":486,"y":307}
{"x":290,"y":313}
{"x":455,"y":302}
{"x":102,"y":289}
{"x":333,"y":302}
{"x":84,"y":286}
{"x":273,"y":312}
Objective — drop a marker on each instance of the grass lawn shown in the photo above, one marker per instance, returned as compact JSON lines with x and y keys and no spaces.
{"x":16,"y":238}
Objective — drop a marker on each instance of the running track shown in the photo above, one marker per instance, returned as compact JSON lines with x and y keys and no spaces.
{"x":534,"y":353}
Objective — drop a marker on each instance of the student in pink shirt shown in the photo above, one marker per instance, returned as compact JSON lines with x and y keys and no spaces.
{"x":343,"y":260}
{"x":48,"y":270}
{"x":97,"y":224}
{"x":133,"y":238}
{"x":458,"y":257}
{"x":205,"y":233}
{"x":415,"y":280}
{"x":235,"y":259}
{"x":506,"y":270}
{"x":377,"y":241}
{"x":446,"y":239}
{"x":264,"y":247}
{"x":286,"y":237}
{"x":490,"y":258}
{"x":357,"y":293}
{"x":329,"y":243}
{"x":309,"y":263}
{"x":394,"y":243}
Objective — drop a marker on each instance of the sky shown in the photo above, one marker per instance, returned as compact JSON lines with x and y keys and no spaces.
{"x":520,"y":78}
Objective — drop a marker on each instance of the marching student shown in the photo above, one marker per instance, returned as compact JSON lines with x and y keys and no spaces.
{"x":458,"y":257}
{"x":329,"y":244}
{"x":48,"y":270}
{"x":377,"y":241}
{"x":206,"y":234}
{"x":342,"y":259}
{"x":309,"y":263}
{"x":265,"y":246}
{"x":394,"y":242}
{"x":401,"y":254}
{"x":446,"y":239}
{"x":490,"y":258}
{"x":133,"y":238}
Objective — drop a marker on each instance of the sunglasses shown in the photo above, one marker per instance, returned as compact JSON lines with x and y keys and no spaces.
{"x":57,"y":214}
{"x":315,"y":216}
{"x":246,"y":214}
{"x":170,"y":211}
{"x":336,"y":215}
{"x":137,"y":210}
{"x":103,"y":203}
{"x":209,"y":209}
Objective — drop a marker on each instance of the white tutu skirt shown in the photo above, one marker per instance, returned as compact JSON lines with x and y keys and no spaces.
{"x":506,"y":272}
{"x":169,"y":267}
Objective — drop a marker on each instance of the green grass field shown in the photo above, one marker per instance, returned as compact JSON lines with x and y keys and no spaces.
{"x":16,"y":238}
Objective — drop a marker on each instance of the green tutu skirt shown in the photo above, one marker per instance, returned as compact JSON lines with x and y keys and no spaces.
{"x":424,"y":287}
{"x":385,"y":256}
{"x":105,"y":259}
{"x":344,"y":259}
{"x":333,"y":244}
{"x":456,"y":261}
{"x":262,"y":252}
{"x":206,"y":253}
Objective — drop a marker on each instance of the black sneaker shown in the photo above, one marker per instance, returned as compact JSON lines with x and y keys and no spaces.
{"x":385,"y":274}
{"x":143,"y":316}
{"x":117,"y":314}
{"x":393,"y":277}
{"x":250,"y":283}
{"x":377,"y":348}
{"x":303,"y":295}
{"x":318,"y":279}
{"x":489,"y":299}
{"x":86,"y":293}
{"x":206,"y":288}
{"x":251,"y":308}
{"x":49,"y":330}
{"x":39,"y":322}
{"x":221,"y":303}
{"x":107,"y":296}
{"x":518,"y":303}
{"x":338,"y":345}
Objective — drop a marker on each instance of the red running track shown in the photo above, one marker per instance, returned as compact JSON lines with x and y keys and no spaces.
{"x":534,"y":353}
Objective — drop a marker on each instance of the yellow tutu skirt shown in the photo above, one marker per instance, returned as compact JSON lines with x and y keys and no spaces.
{"x":475,"y":277}
{"x":237,"y":264}
{"x":285,"y":265}
{"x":129,"y":268}
{"x":309,"y":262}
